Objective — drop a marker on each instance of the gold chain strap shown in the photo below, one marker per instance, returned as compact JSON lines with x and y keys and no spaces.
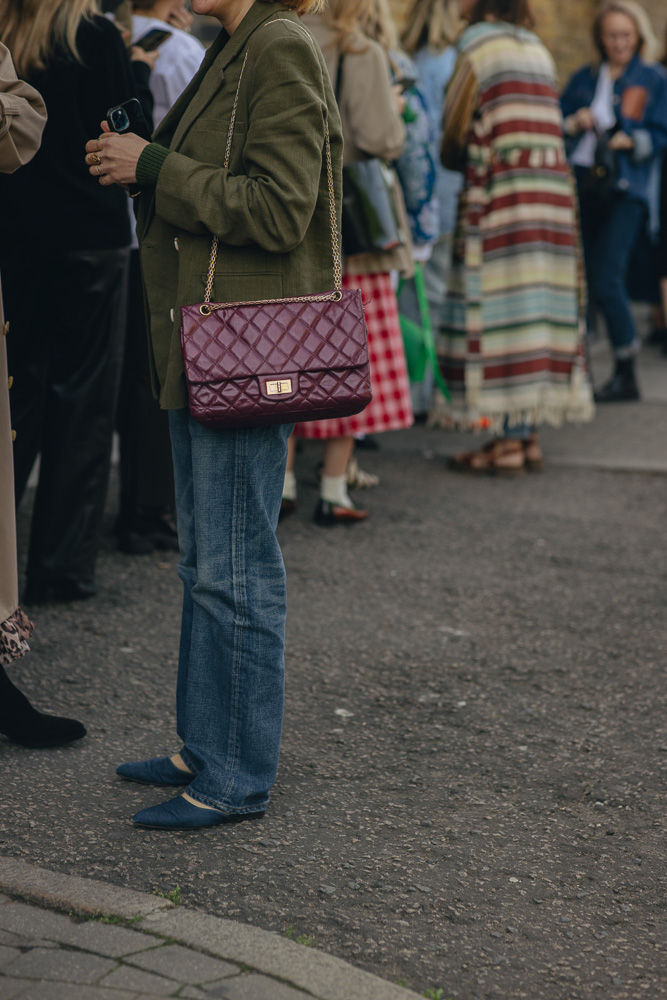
{"x":214,"y":244}
{"x":207,"y":306}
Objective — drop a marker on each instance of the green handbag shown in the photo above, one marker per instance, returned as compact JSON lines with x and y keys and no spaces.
{"x":418,"y":341}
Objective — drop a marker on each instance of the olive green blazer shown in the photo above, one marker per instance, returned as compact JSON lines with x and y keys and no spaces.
{"x":270,"y":209}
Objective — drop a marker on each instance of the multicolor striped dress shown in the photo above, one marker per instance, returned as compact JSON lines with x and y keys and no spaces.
{"x":510,"y":346}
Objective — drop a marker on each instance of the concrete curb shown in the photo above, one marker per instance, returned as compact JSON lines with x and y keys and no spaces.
{"x":320,"y":975}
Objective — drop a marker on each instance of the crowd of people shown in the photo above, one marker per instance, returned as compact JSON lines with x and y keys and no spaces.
{"x":515,"y":212}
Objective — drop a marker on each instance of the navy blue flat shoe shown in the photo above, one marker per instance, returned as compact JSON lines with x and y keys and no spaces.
{"x":179,"y":814}
{"x":157,"y":771}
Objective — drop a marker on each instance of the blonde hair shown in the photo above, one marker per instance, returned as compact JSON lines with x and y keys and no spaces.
{"x":345,"y":18}
{"x":34,"y":30}
{"x":649,"y":46}
{"x":436,"y":23}
{"x":379,"y":25}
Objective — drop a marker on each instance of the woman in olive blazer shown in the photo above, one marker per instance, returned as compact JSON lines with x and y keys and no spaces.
{"x":270,"y":211}
{"x":22,"y":119}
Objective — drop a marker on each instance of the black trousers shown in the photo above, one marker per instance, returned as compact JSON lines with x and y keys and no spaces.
{"x":67,"y":313}
{"x":146,"y":468}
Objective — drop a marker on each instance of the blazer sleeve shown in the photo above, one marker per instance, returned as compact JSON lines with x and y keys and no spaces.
{"x":272,"y":202}
{"x":367,"y":104}
{"x":22,"y":117}
{"x":460,"y":107}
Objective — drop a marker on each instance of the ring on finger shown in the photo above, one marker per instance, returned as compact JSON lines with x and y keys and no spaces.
{"x":99,"y":172}
{"x":95,"y":160}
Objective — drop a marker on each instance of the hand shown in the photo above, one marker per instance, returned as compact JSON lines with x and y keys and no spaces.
{"x":137,"y":54}
{"x":179,"y":17}
{"x":399,"y":98}
{"x":584,"y":120}
{"x":113,"y":158}
{"x":621,"y":141}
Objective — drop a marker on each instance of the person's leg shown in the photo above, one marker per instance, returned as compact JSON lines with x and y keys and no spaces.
{"x":146,"y":474}
{"x":232,"y":644}
{"x":86,"y":328}
{"x":179,"y":428}
{"x":335,"y":505}
{"x":616,"y":238}
{"x":28,"y":349}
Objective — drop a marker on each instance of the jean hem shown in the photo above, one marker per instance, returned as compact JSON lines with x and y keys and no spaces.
{"x":225,"y":807}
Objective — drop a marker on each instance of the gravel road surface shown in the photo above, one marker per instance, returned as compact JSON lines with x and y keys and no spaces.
{"x":472,"y":786}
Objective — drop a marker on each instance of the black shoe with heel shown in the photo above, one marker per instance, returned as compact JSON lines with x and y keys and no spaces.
{"x":23,"y":724}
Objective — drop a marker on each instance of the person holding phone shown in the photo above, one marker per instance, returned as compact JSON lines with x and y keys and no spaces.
{"x":270,"y":210}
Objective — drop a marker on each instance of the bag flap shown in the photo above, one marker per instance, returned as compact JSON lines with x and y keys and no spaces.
{"x":273,"y":339}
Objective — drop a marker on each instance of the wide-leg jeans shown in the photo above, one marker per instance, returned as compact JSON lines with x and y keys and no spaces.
{"x":230,"y":686}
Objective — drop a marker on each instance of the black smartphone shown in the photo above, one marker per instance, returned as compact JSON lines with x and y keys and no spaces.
{"x":128,"y":117}
{"x":405,"y":82}
{"x":153,"y":39}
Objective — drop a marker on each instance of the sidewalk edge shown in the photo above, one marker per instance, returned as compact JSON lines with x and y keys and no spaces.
{"x":323,"y":976}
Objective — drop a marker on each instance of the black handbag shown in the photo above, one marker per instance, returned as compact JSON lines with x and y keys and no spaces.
{"x":599,"y":182}
{"x":369,"y":215}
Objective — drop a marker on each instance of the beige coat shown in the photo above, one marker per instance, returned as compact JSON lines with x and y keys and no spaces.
{"x":22,"y":120}
{"x":371,"y":127}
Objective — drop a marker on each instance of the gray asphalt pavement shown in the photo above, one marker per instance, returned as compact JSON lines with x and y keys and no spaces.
{"x":472,"y":788}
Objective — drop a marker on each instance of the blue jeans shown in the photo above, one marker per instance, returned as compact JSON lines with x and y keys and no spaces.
{"x":231,"y":668}
{"x":608,"y":242}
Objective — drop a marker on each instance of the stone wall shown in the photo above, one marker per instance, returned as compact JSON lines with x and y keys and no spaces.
{"x":564,"y":25}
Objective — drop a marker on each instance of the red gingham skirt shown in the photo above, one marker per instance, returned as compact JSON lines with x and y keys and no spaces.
{"x":390,"y":408}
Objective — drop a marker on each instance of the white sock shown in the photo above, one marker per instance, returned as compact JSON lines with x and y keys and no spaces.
{"x":289,"y":486}
{"x":333,"y":489}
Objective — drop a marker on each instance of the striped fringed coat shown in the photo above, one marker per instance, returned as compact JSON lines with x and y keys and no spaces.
{"x":510,"y":346}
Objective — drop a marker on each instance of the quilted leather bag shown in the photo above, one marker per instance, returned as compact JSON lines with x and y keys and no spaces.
{"x":276,"y":361}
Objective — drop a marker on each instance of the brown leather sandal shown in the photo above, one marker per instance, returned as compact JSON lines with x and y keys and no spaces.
{"x":478,"y":462}
{"x":500,"y":457}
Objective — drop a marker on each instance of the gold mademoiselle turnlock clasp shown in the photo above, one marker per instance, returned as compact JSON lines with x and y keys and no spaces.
{"x":279,"y":387}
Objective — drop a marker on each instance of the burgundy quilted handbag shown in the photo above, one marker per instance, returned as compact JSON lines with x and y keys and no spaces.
{"x":276,"y":361}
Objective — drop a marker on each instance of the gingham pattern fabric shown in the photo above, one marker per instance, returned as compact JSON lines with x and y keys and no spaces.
{"x":390,"y":408}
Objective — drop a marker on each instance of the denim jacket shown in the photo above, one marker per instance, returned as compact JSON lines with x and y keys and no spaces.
{"x":640,"y":103}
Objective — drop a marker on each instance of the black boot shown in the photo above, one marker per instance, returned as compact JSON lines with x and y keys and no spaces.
{"x":622,"y":386}
{"x":23,"y":724}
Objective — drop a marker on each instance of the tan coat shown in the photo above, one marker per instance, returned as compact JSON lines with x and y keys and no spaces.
{"x":371,"y":127}
{"x":22,"y":120}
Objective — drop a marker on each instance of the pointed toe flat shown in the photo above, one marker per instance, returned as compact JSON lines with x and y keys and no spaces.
{"x":157,"y":771}
{"x":179,"y":814}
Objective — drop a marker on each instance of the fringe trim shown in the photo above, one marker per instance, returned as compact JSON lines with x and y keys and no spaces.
{"x":14,"y":634}
{"x":448,"y":416}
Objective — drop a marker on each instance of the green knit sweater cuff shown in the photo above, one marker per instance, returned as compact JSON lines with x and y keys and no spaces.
{"x":150,"y":163}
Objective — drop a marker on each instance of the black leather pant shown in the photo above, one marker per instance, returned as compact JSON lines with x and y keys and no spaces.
{"x":146,"y":468}
{"x":67,"y":313}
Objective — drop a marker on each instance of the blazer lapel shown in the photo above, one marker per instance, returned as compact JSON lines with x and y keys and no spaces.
{"x":209,"y":78}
